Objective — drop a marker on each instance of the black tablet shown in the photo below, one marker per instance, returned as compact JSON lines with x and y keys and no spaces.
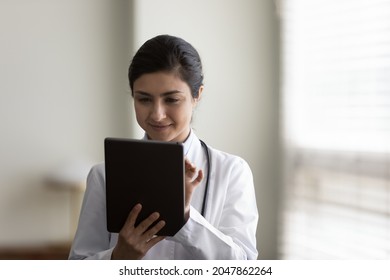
{"x":146,"y":172}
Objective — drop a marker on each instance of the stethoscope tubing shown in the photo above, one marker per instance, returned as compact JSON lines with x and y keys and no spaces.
{"x":207,"y":152}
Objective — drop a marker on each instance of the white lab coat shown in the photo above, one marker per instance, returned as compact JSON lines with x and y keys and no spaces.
{"x":228,"y":230}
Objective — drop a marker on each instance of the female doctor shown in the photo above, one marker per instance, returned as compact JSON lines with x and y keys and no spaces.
{"x":166,"y":81}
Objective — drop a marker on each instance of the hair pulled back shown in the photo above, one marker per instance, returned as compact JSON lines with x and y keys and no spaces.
{"x":168,"y":54}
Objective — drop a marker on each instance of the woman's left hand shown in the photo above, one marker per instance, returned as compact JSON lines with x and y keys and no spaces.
{"x":192,"y":179}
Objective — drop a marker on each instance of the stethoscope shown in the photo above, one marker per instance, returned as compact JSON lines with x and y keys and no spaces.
{"x":207,"y":152}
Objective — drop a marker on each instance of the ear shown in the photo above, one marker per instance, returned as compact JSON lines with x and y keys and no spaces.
{"x":197,"y":99}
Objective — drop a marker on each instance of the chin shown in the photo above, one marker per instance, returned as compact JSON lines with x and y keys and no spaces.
{"x":158,"y":137}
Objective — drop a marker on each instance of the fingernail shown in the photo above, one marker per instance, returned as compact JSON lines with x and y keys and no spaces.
{"x":138,"y":206}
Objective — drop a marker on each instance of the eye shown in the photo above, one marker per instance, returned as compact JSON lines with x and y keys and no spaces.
{"x":171,"y":100}
{"x":144,"y":99}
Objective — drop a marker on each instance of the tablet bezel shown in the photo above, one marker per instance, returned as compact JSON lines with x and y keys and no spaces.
{"x":146,"y":172}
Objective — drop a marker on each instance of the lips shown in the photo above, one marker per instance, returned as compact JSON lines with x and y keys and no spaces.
{"x":160,"y":127}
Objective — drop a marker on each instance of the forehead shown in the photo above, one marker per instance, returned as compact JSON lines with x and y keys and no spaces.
{"x":160,"y":82}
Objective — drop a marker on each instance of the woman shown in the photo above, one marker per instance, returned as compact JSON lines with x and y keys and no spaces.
{"x":166,"y":81}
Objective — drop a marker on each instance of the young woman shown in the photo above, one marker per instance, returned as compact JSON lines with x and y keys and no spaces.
{"x":166,"y":81}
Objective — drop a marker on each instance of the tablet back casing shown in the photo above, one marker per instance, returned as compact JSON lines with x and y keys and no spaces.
{"x":146,"y":172}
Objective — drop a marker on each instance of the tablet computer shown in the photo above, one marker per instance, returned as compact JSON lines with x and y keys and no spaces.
{"x":146,"y":172}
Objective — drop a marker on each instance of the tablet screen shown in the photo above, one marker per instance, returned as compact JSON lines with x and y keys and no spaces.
{"x":146,"y":172}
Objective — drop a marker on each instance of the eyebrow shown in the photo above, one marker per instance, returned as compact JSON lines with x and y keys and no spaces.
{"x":162,"y":94}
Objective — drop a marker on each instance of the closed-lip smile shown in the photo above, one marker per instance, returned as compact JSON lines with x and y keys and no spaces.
{"x":159,"y":126}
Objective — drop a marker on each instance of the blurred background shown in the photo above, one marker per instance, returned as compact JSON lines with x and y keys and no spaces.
{"x":300,"y":89}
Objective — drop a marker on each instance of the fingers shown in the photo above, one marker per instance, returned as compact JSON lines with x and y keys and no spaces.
{"x":135,"y":241}
{"x":145,"y":224}
{"x":130,"y":228}
{"x":190,"y":172}
{"x":190,"y":168}
{"x":151,"y":233}
{"x":154,"y":241}
{"x":130,"y":221}
{"x":199,"y":178}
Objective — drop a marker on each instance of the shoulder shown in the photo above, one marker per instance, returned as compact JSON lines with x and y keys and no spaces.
{"x":96,"y":186}
{"x":98,"y":168}
{"x":228,"y":160}
{"x":97,"y":172}
{"x":232,"y":173}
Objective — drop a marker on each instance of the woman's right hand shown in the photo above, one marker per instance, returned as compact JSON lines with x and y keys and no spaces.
{"x":135,"y":241}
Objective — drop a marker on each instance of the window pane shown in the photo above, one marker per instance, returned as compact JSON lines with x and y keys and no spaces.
{"x":336,"y":119}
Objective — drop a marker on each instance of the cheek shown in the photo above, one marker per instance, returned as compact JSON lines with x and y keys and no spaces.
{"x":185,"y":114}
{"x":139,"y":113}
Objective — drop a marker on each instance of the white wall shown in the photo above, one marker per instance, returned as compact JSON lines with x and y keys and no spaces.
{"x":237,"y":41}
{"x":63,"y":89}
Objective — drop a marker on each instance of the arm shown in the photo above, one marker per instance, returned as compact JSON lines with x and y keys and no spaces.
{"x":233,"y":234}
{"x":92,"y":240}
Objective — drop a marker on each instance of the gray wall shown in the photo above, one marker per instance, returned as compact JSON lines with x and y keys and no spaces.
{"x":63,"y":89}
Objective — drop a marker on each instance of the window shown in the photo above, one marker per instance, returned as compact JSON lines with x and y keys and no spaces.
{"x":336,"y":127}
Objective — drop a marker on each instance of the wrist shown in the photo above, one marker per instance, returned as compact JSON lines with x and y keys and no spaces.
{"x":186,"y":213}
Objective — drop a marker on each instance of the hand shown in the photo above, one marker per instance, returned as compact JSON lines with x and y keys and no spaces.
{"x":134,"y":242}
{"x":192,"y":180}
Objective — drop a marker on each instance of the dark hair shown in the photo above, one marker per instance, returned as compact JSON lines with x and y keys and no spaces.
{"x":169,"y":54}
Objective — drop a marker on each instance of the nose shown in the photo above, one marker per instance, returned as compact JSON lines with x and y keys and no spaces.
{"x":158,"y":112}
